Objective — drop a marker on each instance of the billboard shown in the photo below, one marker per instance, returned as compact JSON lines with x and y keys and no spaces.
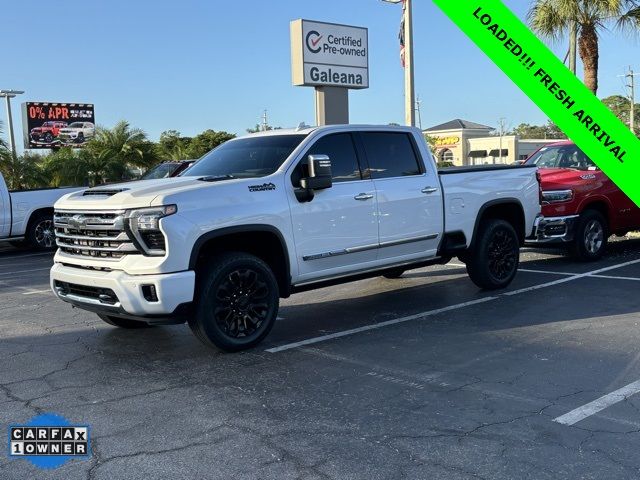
{"x":327,"y":54}
{"x":54,"y":125}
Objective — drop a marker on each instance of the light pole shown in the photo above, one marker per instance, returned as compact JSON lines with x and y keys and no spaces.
{"x":8,"y":95}
{"x":409,"y":76}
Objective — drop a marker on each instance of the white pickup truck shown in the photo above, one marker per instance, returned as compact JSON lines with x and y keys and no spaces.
{"x":274,"y":213}
{"x":26,"y":216}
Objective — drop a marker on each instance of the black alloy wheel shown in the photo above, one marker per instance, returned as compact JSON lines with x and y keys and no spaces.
{"x":237,"y":300}
{"x":493,"y":262}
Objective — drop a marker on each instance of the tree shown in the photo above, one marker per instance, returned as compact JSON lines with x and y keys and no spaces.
{"x":173,"y":146}
{"x":552,"y":19}
{"x":69,"y":167}
{"x":548,"y":131}
{"x":206,"y":141}
{"x":260,"y":128}
{"x":114,"y":151}
{"x":621,"y":108}
{"x":22,"y":172}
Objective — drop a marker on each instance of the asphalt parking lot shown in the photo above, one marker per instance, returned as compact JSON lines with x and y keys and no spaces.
{"x":424,"y":377}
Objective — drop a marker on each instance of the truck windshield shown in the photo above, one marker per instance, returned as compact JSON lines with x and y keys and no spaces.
{"x":246,"y":157}
{"x":563,"y":156}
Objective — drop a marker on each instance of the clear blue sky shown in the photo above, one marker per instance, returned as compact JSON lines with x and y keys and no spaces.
{"x":190,"y":65}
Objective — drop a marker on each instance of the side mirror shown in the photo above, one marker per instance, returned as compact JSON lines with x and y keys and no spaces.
{"x":320,"y":176}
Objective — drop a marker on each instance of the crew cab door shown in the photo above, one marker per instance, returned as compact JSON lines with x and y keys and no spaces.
{"x":410,"y":216}
{"x":5,"y":210}
{"x":335,"y":232}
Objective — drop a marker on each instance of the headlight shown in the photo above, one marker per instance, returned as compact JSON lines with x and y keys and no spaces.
{"x":557,"y":196}
{"x":144,"y":226}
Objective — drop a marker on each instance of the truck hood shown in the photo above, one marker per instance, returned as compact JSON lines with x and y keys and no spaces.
{"x":128,"y":195}
{"x":561,"y":178}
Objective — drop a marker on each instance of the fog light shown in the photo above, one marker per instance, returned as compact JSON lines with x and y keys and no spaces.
{"x":149,"y":293}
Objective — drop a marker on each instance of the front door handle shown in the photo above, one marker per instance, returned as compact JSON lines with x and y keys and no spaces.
{"x":363,"y":196}
{"x":429,"y":190}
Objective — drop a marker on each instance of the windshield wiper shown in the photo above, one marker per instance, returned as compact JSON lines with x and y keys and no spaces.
{"x":216,"y":178}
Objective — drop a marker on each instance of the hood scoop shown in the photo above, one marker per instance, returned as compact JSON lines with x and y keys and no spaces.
{"x":216,"y":178}
{"x":104,"y":192}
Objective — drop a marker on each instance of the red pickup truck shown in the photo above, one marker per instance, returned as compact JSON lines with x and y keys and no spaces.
{"x":581,"y":206}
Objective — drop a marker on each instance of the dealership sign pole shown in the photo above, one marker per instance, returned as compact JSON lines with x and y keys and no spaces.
{"x":544,"y":79}
{"x":332,"y":58}
{"x":8,"y":95}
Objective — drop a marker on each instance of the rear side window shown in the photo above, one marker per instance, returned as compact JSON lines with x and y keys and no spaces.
{"x":390,"y":154}
{"x":342,"y":153}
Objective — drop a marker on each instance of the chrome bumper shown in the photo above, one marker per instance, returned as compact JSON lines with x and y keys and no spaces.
{"x":555,"y":230}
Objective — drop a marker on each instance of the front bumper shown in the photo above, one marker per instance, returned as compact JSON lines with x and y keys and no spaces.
{"x":119,"y":294}
{"x":554,"y":230}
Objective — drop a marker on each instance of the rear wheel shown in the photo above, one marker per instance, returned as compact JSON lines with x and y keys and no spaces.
{"x":40,"y":233}
{"x":494,"y":262}
{"x":123,"y":322}
{"x":236,"y":303}
{"x":591,"y":237}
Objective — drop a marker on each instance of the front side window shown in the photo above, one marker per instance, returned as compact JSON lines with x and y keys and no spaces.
{"x":249,"y":157}
{"x":390,"y":154}
{"x":342,"y":153}
{"x":563,"y":156}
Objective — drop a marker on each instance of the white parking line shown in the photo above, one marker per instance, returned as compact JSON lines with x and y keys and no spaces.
{"x":570,"y":279}
{"x":24,"y":271}
{"x":580,"y":413}
{"x":395,"y":321}
{"x":609,"y":277}
{"x":527,"y":270}
{"x":458,"y":306}
{"x":36,"y":292}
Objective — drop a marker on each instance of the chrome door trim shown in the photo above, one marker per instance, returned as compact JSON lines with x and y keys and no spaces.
{"x":364,"y":248}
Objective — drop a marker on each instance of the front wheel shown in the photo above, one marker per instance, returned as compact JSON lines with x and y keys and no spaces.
{"x":237,"y":302}
{"x":591,"y":237}
{"x":494,"y":262}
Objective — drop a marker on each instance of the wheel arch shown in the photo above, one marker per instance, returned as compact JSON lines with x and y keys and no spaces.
{"x":509,"y":209}
{"x":264,"y":241}
{"x":601,"y":205}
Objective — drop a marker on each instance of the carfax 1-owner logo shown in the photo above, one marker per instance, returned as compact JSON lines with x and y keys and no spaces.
{"x":49,"y":441}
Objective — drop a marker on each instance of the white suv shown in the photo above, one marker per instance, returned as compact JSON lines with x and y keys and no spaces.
{"x":77,"y":132}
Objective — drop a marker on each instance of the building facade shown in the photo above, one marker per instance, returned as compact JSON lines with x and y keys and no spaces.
{"x":465,"y":143}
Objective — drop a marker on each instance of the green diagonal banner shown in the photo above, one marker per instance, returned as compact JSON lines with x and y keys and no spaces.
{"x":549,"y":84}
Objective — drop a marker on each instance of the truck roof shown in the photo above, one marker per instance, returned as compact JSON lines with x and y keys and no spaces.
{"x":306,"y":129}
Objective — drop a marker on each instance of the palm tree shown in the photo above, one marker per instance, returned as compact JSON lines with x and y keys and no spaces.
{"x":114,"y":151}
{"x":552,"y":19}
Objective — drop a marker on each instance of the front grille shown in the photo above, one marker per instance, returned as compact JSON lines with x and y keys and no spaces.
{"x":93,"y":234}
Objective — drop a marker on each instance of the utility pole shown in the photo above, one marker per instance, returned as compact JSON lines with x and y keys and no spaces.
{"x":265,"y":124}
{"x":418,"y":105}
{"x":632,"y":97}
{"x":409,"y":75}
{"x":501,"y":124}
{"x":8,"y":95}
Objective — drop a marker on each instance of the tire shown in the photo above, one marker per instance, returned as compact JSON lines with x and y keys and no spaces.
{"x":40,"y":234}
{"x":395,"y":273}
{"x":123,"y":322}
{"x":48,"y":138}
{"x":237,"y":301}
{"x":80,"y":138}
{"x":494,"y":262}
{"x":591,"y":237}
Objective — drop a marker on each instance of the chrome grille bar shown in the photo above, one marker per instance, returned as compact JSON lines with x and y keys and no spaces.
{"x":99,"y":234}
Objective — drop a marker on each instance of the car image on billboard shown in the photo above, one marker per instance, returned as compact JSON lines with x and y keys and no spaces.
{"x":53,"y":125}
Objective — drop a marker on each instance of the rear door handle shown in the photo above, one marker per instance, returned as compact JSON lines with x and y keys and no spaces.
{"x":363,"y":196}
{"x":429,"y":190}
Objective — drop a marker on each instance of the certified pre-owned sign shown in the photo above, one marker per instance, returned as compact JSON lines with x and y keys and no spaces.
{"x":326,"y":54}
